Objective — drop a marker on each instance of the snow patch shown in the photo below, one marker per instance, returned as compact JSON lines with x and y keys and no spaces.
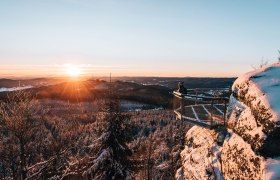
{"x":272,"y":169}
{"x":15,"y":88}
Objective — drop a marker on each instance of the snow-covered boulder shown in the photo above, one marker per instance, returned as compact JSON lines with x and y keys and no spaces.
{"x":253,"y":117}
{"x":255,"y":107}
{"x":251,"y":149}
{"x":201,"y":156}
{"x":239,"y":161}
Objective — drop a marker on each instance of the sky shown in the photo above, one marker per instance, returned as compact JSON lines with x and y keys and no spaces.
{"x":213,"y":38}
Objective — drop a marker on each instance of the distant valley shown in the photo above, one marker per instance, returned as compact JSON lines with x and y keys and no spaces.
{"x":152,"y":91}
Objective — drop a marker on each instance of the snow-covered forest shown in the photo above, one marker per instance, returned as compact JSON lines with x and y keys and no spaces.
{"x":47,"y":139}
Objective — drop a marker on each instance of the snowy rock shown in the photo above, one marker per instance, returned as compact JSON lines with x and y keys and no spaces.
{"x":256,"y":120}
{"x":251,"y":149}
{"x":200,"y":158}
{"x":239,"y":161}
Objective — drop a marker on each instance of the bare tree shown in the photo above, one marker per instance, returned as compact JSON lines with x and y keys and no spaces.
{"x":149,"y":157}
{"x":19,"y":124}
{"x":262,"y":64}
{"x":278,"y":55}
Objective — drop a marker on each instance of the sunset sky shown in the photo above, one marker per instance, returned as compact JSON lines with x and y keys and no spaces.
{"x":137,"y":37}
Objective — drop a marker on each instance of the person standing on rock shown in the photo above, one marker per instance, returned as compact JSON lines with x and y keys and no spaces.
{"x":181,"y":88}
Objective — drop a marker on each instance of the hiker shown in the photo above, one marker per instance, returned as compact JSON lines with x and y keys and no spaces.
{"x":181,"y":88}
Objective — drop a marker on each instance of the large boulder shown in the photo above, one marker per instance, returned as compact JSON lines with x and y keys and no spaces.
{"x":201,"y":156}
{"x":252,"y":146}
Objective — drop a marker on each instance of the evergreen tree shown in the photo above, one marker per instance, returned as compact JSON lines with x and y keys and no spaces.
{"x":112,"y":158}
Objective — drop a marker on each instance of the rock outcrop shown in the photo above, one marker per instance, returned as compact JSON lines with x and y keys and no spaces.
{"x":252,"y":146}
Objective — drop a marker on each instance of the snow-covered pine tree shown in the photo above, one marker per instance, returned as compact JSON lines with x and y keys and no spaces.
{"x":112,"y":157}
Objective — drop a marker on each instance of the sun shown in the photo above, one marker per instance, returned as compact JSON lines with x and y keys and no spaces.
{"x":73,"y":70}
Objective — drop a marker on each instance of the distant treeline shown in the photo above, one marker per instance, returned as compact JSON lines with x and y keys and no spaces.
{"x":91,"y":90}
{"x":156,"y":95}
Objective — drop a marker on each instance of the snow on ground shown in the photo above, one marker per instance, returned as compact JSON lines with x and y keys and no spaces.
{"x":127,"y":105}
{"x":14,"y":88}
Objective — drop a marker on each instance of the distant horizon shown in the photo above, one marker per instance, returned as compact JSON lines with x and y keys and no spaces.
{"x":41,"y":71}
{"x":96,"y":77}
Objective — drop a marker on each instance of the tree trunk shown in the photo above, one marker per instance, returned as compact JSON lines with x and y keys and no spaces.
{"x":22,"y":161}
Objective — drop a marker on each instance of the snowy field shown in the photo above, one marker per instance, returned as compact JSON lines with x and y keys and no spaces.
{"x":15,"y":88}
{"x":137,"y":106}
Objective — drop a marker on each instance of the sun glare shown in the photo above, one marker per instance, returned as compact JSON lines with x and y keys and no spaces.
{"x":73,"y":71}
